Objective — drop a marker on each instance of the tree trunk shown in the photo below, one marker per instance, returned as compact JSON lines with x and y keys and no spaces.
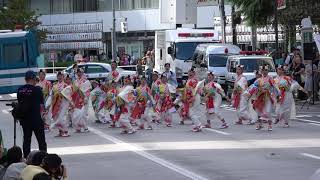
{"x":234,"y":25}
{"x":223,"y":21}
{"x":292,"y":36}
{"x":254,"y":37}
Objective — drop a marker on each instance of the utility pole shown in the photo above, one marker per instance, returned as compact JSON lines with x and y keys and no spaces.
{"x":276,"y":29}
{"x":234,"y":25}
{"x":223,"y":20}
{"x":113,"y":32}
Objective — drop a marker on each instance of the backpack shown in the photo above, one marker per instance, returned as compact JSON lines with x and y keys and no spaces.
{"x":19,"y":110}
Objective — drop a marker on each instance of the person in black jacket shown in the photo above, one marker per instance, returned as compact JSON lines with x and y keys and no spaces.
{"x":31,"y":99}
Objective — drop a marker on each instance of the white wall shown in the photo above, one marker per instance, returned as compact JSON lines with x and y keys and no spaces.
{"x":138,"y":20}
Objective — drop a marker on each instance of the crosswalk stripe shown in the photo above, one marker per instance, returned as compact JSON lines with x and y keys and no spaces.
{"x":310,"y":155}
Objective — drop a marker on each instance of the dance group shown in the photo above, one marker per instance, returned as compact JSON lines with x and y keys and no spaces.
{"x":123,"y":104}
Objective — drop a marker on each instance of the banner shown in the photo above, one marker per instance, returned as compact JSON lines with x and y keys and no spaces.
{"x":281,"y":4}
{"x":317,"y":40}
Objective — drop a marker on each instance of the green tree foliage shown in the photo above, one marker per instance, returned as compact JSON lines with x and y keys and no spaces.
{"x":256,"y":12}
{"x":18,"y":13}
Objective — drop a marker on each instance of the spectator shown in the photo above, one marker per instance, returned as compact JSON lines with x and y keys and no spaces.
{"x":310,"y":83}
{"x":31,"y":100}
{"x":149,"y":62}
{"x":14,"y":155}
{"x":289,"y":60}
{"x":171,"y":76}
{"x":297,"y":70}
{"x":51,"y":165}
{"x":13,"y":172}
{"x":139,"y":68}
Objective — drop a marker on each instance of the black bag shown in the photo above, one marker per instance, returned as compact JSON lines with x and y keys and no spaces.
{"x":19,"y":110}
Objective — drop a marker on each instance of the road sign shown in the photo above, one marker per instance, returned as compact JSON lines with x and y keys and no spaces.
{"x":53,"y":56}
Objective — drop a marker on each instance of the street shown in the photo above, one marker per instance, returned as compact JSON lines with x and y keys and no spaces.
{"x":177,"y":153}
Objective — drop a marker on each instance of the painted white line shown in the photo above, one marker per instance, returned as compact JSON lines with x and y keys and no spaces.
{"x":0,"y":97}
{"x":310,"y":121}
{"x":302,"y":116}
{"x":140,"y":151}
{"x":310,"y":156}
{"x":13,"y":95}
{"x":314,"y":124}
{"x":217,"y":131}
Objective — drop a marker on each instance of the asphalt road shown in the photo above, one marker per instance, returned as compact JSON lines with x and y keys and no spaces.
{"x":176,"y":153}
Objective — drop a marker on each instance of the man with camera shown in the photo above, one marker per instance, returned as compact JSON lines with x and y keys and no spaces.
{"x":51,"y":165}
{"x":30,"y":101}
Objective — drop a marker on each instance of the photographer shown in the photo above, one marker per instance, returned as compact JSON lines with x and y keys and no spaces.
{"x":51,"y":165}
{"x":30,"y":100}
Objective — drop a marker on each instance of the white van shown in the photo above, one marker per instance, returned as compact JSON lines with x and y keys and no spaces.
{"x":251,"y":64}
{"x":214,"y":58}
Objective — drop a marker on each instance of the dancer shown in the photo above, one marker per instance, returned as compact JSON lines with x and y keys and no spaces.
{"x":80,"y":97}
{"x":190,"y":99}
{"x":264,"y":89}
{"x":60,"y":106}
{"x":97,"y":98}
{"x":110,"y":103}
{"x":142,"y":104}
{"x":124,"y":102}
{"x":163,"y":102}
{"x":239,"y":99}
{"x":46,"y":87}
{"x":213,"y":97}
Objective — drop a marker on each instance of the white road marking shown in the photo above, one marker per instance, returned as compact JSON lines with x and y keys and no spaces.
{"x":302,"y":116}
{"x":310,"y":121}
{"x":140,"y":151}
{"x":141,"y":148}
{"x":0,"y":97}
{"x":314,"y":124}
{"x":13,"y":95}
{"x":310,"y":155}
{"x":217,"y":131}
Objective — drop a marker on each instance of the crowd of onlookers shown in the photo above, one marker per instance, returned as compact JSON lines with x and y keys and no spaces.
{"x":38,"y":165}
{"x":305,"y":72}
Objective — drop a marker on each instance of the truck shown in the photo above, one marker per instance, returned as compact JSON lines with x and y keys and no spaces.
{"x":177,"y":47}
{"x":18,"y":54}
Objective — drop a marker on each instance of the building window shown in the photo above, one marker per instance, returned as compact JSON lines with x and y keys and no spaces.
{"x":85,"y":5}
{"x":40,"y":6}
{"x":126,"y":4}
{"x":61,"y":6}
{"x":139,"y":4}
{"x":106,"y":5}
{"x":152,"y":3}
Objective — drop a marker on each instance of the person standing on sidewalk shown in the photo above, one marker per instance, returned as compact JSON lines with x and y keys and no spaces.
{"x":31,"y":100}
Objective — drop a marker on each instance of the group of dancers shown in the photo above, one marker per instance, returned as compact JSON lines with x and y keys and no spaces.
{"x":135,"y":106}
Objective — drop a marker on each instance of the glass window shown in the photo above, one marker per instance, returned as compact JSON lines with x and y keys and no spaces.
{"x":139,"y":4}
{"x":106,"y":5}
{"x":126,"y":4}
{"x":13,"y":54}
{"x":95,"y":69}
{"x":61,"y":6}
{"x":85,"y":5}
{"x":152,"y":3}
{"x":40,"y":6}
{"x":250,"y":65}
{"x":217,"y":60}
{"x":185,"y":50}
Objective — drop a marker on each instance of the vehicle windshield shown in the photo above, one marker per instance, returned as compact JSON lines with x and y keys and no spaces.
{"x":250,"y":65}
{"x":185,"y":50}
{"x":218,"y":60}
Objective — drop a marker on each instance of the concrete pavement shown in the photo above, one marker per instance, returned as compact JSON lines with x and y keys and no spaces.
{"x":239,"y":152}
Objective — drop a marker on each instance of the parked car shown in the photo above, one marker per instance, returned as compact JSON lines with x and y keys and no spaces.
{"x":93,"y":70}
{"x":251,"y":64}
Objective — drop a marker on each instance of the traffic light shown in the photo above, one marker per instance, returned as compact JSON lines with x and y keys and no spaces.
{"x":124,"y":25}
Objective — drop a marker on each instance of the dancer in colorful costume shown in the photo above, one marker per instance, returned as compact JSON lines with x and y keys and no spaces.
{"x":97,"y":99}
{"x":265,"y":92}
{"x":60,"y":106}
{"x":46,"y":87}
{"x":110,"y":103}
{"x":80,"y":98}
{"x":213,"y":93}
{"x":143,"y":103}
{"x":239,"y":99}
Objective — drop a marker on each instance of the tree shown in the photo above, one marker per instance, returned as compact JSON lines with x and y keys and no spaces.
{"x":18,"y":13}
{"x":257,"y":13}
